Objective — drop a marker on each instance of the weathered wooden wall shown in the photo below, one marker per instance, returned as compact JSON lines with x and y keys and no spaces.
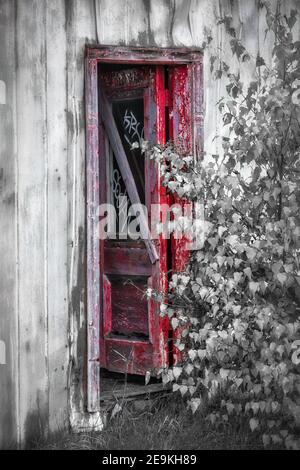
{"x":9,"y":369}
{"x":42,"y":179}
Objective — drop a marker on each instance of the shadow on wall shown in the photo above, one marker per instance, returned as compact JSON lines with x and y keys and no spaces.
{"x":36,"y":424}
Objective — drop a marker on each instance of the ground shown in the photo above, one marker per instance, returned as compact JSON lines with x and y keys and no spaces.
{"x":162,"y":424}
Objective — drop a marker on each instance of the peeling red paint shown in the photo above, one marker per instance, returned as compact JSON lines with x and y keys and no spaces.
{"x":124,"y":310}
{"x":93,"y":291}
{"x":185,"y":126}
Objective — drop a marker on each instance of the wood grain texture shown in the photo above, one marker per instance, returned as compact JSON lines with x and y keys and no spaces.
{"x":116,"y":388}
{"x":128,"y":17}
{"x":181,"y":132}
{"x":142,"y":55}
{"x":129,"y":306}
{"x":80,"y":29}
{"x":32,"y":219}
{"x":161,"y":13}
{"x":156,"y":133}
{"x":184,"y":99}
{"x":93,"y":244}
{"x":9,"y":372}
{"x":130,"y":357}
{"x":127,"y":261}
{"x":181,"y":31}
{"x":57,"y":209}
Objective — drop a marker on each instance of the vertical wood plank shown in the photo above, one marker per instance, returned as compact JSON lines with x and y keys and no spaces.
{"x":125,"y":22}
{"x":80,"y":25}
{"x":186,"y":126}
{"x":93,"y":243}
{"x":155,"y":132}
{"x":202,"y":15}
{"x":159,"y":281}
{"x":211,"y":89}
{"x":181,"y":31}
{"x":8,"y":310}
{"x":57,"y":213}
{"x":160,"y":22}
{"x":248,"y":17}
{"x":110,"y":20}
{"x":32,"y":218}
{"x":137,"y":23}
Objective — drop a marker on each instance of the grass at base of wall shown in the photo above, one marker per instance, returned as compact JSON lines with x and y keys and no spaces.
{"x":165,"y":424}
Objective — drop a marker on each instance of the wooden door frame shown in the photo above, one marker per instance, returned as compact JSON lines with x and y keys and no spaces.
{"x":94,"y":56}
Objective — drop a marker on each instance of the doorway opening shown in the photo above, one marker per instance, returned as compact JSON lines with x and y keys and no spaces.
{"x":133,"y":95}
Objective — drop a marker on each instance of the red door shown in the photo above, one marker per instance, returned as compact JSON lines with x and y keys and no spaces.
{"x":133,"y":338}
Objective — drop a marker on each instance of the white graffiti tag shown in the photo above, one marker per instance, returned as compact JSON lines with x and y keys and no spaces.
{"x":133,"y":127}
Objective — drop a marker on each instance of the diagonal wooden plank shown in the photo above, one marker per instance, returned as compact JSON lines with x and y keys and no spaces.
{"x":120,"y":155}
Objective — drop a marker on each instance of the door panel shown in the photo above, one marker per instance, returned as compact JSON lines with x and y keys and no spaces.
{"x":129,"y":307}
{"x":134,"y":338}
{"x":130,"y":260}
{"x":129,"y":358}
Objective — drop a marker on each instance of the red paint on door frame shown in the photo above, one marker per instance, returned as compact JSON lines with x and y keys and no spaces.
{"x":96,"y":55}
